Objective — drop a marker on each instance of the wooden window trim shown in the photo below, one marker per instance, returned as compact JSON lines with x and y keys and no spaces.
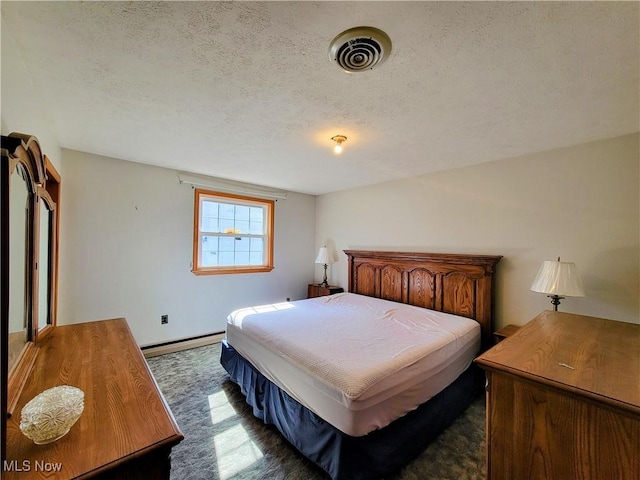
{"x":269,"y":236}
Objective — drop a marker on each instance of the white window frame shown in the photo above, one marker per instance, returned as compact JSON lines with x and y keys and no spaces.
{"x":228,"y":198}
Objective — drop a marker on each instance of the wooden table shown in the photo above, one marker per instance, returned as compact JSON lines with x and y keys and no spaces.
{"x":318,"y":290}
{"x":505,"y":332}
{"x":126,"y":430}
{"x":563,"y":400}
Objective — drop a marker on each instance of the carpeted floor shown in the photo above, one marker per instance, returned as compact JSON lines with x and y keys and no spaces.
{"x":223,"y":440}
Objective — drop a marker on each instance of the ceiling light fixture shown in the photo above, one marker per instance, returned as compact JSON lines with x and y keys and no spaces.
{"x":338,"y":139}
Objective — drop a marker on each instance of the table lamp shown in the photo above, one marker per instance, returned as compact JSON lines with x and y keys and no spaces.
{"x":558,"y":280}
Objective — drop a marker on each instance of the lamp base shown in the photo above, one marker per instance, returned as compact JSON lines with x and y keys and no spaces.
{"x":555,"y":300}
{"x":324,"y":280}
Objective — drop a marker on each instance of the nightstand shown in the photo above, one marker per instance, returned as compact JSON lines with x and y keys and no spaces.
{"x":504,"y":332}
{"x":316,"y":290}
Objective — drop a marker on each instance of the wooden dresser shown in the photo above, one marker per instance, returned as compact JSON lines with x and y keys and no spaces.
{"x":563,"y":400}
{"x":126,"y":430}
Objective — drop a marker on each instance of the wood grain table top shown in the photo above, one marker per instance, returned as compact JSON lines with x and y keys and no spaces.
{"x":591,"y":356}
{"x":125,"y":415}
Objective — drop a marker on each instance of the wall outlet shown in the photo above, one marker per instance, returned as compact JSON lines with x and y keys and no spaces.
{"x":164,"y":319}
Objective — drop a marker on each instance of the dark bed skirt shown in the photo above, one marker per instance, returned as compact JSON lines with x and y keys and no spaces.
{"x":344,"y":457}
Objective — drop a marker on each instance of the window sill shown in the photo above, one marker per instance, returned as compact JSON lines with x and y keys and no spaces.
{"x":230,"y":270}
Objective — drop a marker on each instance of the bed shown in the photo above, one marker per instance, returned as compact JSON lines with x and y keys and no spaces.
{"x":389,"y":365}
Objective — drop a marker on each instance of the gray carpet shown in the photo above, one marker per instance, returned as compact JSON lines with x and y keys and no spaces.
{"x":223,"y":440}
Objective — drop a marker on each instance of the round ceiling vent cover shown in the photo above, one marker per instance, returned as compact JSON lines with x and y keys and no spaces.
{"x":359,"y":49}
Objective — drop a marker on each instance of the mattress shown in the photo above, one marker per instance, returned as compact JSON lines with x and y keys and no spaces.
{"x":358,"y":362}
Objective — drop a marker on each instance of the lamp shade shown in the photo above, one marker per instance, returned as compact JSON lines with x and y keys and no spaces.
{"x":323,"y":256}
{"x":558,"y":278}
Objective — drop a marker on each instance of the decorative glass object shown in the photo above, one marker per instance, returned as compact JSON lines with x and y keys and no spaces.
{"x":50,"y":415}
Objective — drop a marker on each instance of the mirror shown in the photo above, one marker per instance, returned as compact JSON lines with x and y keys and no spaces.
{"x":18,"y":263}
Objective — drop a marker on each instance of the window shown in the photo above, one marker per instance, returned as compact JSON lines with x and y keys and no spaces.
{"x":232,"y":234}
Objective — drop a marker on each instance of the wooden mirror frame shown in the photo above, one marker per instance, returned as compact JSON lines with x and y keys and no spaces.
{"x":25,"y":150}
{"x":44,"y":199}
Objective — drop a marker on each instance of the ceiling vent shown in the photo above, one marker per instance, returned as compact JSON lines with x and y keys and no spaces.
{"x":360,"y":49}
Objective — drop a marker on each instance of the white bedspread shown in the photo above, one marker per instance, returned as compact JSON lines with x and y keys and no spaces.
{"x":358,"y":362}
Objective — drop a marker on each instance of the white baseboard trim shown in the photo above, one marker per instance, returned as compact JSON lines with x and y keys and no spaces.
{"x":149,"y":352}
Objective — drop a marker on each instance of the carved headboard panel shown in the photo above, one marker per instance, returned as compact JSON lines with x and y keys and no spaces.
{"x":452,"y":283}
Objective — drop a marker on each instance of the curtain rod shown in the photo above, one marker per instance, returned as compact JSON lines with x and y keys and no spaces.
{"x":230,"y":186}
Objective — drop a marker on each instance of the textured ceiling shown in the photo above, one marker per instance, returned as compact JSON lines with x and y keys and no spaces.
{"x":246,"y":91}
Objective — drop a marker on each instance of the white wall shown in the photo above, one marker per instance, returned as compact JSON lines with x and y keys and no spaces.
{"x":23,"y":110}
{"x":580,"y":203}
{"x":127,"y":246}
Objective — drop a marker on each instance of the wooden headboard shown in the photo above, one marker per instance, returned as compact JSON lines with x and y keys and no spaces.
{"x":452,"y":283}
